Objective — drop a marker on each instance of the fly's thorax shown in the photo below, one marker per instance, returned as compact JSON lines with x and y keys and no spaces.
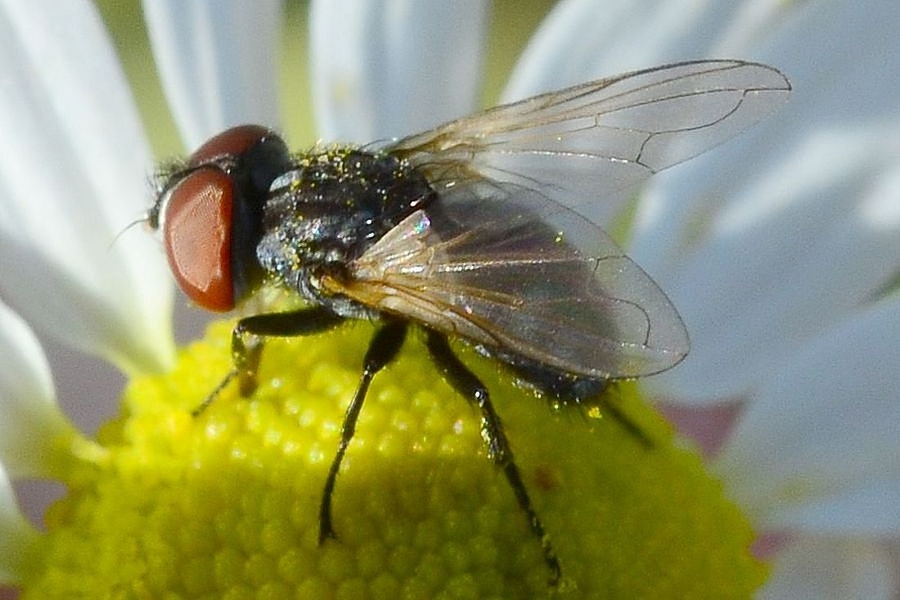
{"x":328,"y":209}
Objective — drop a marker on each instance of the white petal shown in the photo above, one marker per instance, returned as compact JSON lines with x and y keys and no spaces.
{"x":767,"y":240}
{"x":218,"y":61}
{"x":30,"y":420}
{"x":73,"y":169}
{"x":871,"y":508}
{"x":17,"y":536}
{"x":586,"y":39}
{"x":822,"y":433}
{"x":832,"y":569}
{"x":382,"y":71}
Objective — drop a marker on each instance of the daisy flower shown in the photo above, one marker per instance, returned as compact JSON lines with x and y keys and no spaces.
{"x":781,"y":251}
{"x":224,"y":505}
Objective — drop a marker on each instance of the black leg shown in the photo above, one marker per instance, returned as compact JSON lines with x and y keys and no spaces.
{"x":570,"y":389}
{"x":466,"y":383}
{"x":246,"y":343}
{"x":625,"y":421}
{"x":382,"y":350}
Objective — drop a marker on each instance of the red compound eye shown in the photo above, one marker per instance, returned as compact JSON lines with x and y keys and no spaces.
{"x":197,"y":233}
{"x":232,"y":142}
{"x":211,"y":211}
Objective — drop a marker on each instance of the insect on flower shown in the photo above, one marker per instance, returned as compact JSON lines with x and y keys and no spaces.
{"x":470,"y":230}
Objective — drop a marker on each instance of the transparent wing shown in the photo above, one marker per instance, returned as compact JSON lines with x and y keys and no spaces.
{"x":501,"y":258}
{"x":482,"y":265}
{"x":593,"y":140}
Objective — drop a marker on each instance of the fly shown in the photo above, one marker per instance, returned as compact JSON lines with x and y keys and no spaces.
{"x":471,"y":230}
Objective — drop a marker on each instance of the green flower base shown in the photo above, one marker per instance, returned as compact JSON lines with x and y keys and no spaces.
{"x":225,"y":505}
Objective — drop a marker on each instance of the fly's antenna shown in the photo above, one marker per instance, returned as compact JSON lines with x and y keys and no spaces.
{"x":159,"y":184}
{"x":143,"y":219}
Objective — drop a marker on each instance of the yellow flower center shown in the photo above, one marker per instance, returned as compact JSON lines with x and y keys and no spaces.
{"x":225,"y":505}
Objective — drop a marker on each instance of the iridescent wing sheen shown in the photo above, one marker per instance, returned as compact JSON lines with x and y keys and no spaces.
{"x":481,"y":265}
{"x":588,"y":143}
{"x":502,"y":259}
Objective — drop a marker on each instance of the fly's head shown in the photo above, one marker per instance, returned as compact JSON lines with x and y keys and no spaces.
{"x":209,"y":211}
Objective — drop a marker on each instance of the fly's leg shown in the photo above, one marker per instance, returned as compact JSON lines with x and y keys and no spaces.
{"x":466,"y":383}
{"x":574,"y":390}
{"x":598,"y":393}
{"x":382,"y":350}
{"x":246,"y":343}
{"x":611,"y":408}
